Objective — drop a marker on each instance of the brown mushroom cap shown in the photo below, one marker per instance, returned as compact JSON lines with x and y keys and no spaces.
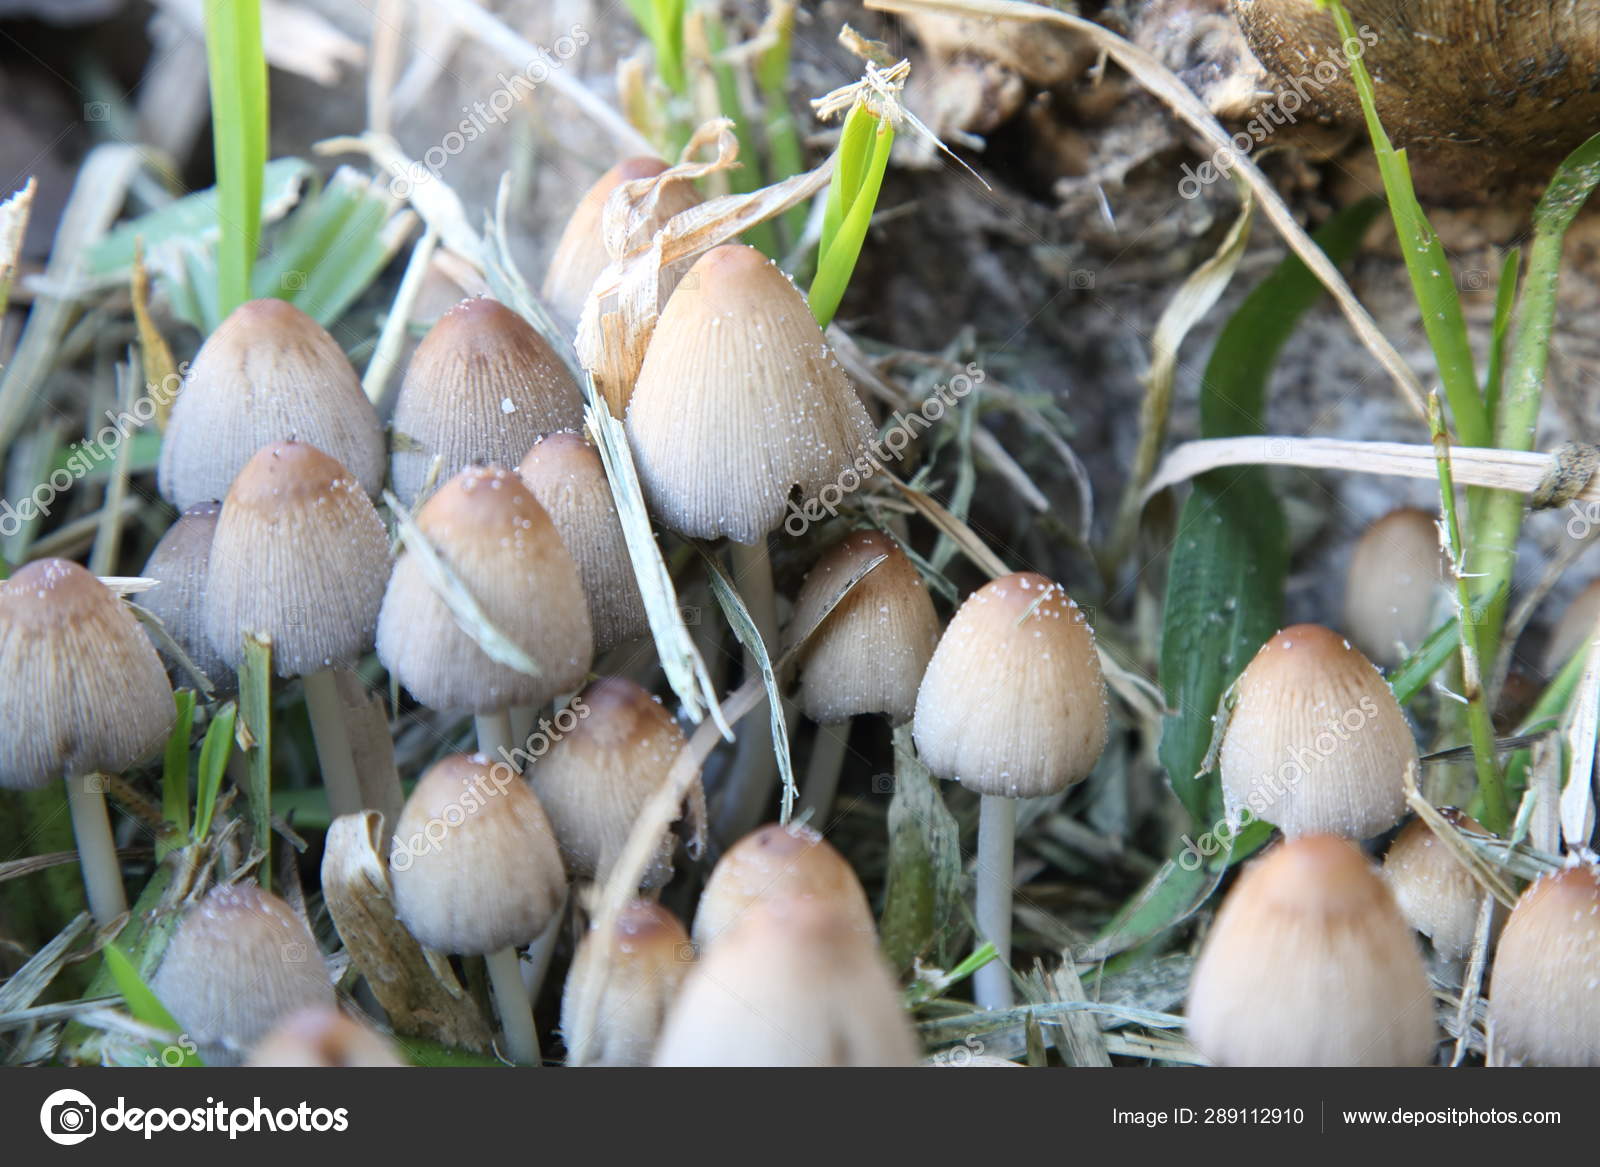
{"x":1317,"y":743}
{"x":599,"y":775}
{"x":1576,"y":626}
{"x":1434,"y":889}
{"x":1013,"y":703}
{"x":299,"y":556}
{"x":870,"y":653}
{"x":791,"y":862}
{"x":650,"y":956}
{"x":269,"y":373}
{"x":1544,"y":995}
{"x":240,"y":961}
{"x":1310,"y":963}
{"x":566,"y":476}
{"x":482,"y":387}
{"x":182,"y":562}
{"x":322,"y":1037}
{"x":1393,"y":585}
{"x":475,"y":865}
{"x":84,"y":689}
{"x":502,"y":546}
{"x":739,"y":401}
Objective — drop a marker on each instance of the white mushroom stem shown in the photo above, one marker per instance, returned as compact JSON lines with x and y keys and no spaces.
{"x":495,"y":735}
{"x":97,"y":851}
{"x":516,"y":1014}
{"x":822,"y":770}
{"x":334,"y":756}
{"x":523,"y":719}
{"x":997,"y":822}
{"x":541,"y":950}
{"x":755,"y":765}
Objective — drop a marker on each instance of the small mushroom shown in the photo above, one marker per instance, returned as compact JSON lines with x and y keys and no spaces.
{"x":1434,"y":889}
{"x":1544,"y":996}
{"x":1395,"y":585}
{"x":1574,"y":630}
{"x":182,"y":562}
{"x":321,"y":1037}
{"x":650,"y":955}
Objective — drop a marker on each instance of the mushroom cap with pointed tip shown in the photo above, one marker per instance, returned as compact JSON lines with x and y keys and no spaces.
{"x":83,"y":689}
{"x":650,"y":955}
{"x":1310,"y":963}
{"x":321,"y":1037}
{"x":475,"y":864}
{"x":566,"y":476}
{"x":182,"y":562}
{"x":739,"y":401}
{"x":779,"y":862}
{"x":269,"y":373}
{"x":1394,"y":584}
{"x":299,"y":556}
{"x":1544,"y":993}
{"x":870,"y":653}
{"x":1434,"y":889}
{"x":1013,"y":703}
{"x":482,"y":387}
{"x":1317,"y":743}
{"x":502,"y":546}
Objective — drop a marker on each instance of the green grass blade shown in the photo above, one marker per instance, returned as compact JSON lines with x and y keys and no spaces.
{"x":255,"y":705}
{"x":862,"y":164}
{"x":1412,"y":674}
{"x":923,"y":885}
{"x":1505,"y":299}
{"x":143,"y":1004}
{"x":175,"y":774}
{"x":214,"y":754}
{"x":784,"y":150}
{"x":238,"y":69}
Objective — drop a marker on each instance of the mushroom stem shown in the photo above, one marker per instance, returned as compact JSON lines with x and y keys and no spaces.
{"x":495,"y":735}
{"x":334,"y":755}
{"x":516,"y":1014}
{"x":997,"y":821}
{"x":523,"y":719}
{"x":822,"y":769}
{"x":97,"y":851}
{"x":541,"y":950}
{"x":755,"y":765}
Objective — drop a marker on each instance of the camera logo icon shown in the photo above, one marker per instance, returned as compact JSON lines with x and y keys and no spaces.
{"x":68,"y":1117}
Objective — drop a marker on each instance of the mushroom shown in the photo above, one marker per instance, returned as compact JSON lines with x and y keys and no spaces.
{"x":1435,"y":891}
{"x":598,"y":777}
{"x":1310,"y":963}
{"x":299,"y":558}
{"x":482,"y":387}
{"x":566,"y":476}
{"x":182,"y":562}
{"x":267,"y":374}
{"x":1544,"y":998}
{"x":1012,"y":706}
{"x":867,"y":656}
{"x":84,"y":693}
{"x":503,"y":548}
{"x":321,"y":1037}
{"x":1317,"y":743}
{"x":1574,"y":630}
{"x":476,"y":871}
{"x":1395,"y":584}
{"x":240,"y":962}
{"x":650,"y":956}
{"x":793,"y":983}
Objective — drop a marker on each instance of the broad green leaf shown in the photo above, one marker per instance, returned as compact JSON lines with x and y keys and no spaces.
{"x":925,"y":867}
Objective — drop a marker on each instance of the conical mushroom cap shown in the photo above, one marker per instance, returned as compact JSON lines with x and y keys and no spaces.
{"x":322,"y":1037}
{"x":792,"y":983}
{"x":182,"y":562}
{"x":299,"y":556}
{"x":269,"y":373}
{"x":869,"y":655}
{"x":1013,"y":703}
{"x":775,"y":862}
{"x":494,"y":534}
{"x":1310,"y":963}
{"x":1435,"y":891}
{"x":1544,"y":994}
{"x":475,"y":865}
{"x":1317,"y":743}
{"x":240,"y":961}
{"x":482,"y":387}
{"x":739,"y":402}
{"x":566,"y":476}
{"x":598,"y":776}
{"x":1394,"y":584}
{"x":83,"y":689}
{"x":651,"y":955}
{"x":1575,"y":628}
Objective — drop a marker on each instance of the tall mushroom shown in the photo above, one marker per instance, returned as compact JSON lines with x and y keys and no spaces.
{"x":182,"y":562}
{"x":83,"y":692}
{"x":1544,"y":997}
{"x":1012,"y":706}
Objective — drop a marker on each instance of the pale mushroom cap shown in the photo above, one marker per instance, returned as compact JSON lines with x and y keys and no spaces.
{"x":502,"y":546}
{"x":566,"y":476}
{"x":300,"y":556}
{"x":651,"y":955}
{"x":793,"y":983}
{"x":778,"y":862}
{"x":240,"y":961}
{"x":1544,"y":993}
{"x":1435,"y":891}
{"x":1013,"y":702}
{"x":598,"y":776}
{"x":475,"y":865}
{"x":1310,"y":963}
{"x":870,"y":653}
{"x":269,"y":373}
{"x":321,"y":1037}
{"x":739,"y":401}
{"x":84,"y":690}
{"x":1393,"y":586}
{"x":182,"y":562}
{"x":1317,"y":743}
{"x":482,"y":387}
{"x":1576,"y":626}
